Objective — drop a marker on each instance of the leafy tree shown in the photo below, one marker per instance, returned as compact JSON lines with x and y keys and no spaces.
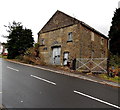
{"x":114,"y":33}
{"x":19,"y":39}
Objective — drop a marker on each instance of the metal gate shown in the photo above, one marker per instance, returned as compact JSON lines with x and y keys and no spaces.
{"x":97,"y":65}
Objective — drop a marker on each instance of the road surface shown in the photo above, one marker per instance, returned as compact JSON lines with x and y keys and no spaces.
{"x":28,"y":87}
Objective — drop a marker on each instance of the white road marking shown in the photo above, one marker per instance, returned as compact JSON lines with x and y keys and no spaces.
{"x":12,"y":68}
{"x":0,"y":92}
{"x":43,"y":79}
{"x":99,"y":100}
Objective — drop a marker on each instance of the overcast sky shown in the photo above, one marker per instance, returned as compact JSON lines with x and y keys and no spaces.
{"x":33,"y":14}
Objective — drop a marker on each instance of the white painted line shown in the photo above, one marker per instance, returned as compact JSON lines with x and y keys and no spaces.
{"x":12,"y":68}
{"x":35,"y":66}
{"x":99,"y":100}
{"x":0,"y":92}
{"x":43,"y":79}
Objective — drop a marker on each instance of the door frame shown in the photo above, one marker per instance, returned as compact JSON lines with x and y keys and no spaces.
{"x":56,"y":57}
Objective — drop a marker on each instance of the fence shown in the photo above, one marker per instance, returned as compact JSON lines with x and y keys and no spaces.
{"x":94,"y":65}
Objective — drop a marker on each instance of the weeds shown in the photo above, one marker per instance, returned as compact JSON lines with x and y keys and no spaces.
{"x":106,"y":77}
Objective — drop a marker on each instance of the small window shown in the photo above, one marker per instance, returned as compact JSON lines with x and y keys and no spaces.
{"x":102,"y":41}
{"x":70,"y":36}
{"x":42,"y":41}
{"x":45,"y":48}
{"x":92,"y":36}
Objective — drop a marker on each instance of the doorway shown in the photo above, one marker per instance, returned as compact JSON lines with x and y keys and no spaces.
{"x":56,"y":55}
{"x":65,"y":58}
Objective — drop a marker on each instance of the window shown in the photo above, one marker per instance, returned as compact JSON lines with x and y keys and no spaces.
{"x":102,"y":41}
{"x":70,"y":36}
{"x":42,"y":41}
{"x":92,"y":36}
{"x":45,"y":48}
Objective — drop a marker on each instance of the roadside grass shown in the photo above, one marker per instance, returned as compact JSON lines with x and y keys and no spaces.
{"x":106,"y":77}
{"x":1,"y":56}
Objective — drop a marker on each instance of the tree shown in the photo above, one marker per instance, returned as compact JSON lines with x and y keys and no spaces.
{"x":114,"y":33}
{"x":19,"y":39}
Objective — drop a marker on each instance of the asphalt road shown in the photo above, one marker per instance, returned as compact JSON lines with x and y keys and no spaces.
{"x":28,"y":87}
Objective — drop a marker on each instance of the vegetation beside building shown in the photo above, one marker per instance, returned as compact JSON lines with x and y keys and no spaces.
{"x":18,"y":40}
{"x":114,"y":33}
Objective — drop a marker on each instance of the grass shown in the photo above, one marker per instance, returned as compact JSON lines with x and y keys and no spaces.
{"x":106,"y":77}
{"x":1,"y":56}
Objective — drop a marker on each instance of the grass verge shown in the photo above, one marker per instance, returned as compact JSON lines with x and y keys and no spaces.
{"x":1,"y":56}
{"x":106,"y":77}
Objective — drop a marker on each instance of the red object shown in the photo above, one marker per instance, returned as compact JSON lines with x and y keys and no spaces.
{"x":5,"y":54}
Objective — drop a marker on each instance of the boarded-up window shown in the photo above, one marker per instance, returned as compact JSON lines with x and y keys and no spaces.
{"x":92,"y":36}
{"x":70,"y":36}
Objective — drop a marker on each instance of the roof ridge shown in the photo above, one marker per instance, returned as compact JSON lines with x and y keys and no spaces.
{"x":76,"y":21}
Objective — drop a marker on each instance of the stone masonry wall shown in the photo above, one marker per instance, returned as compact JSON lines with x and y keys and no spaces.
{"x":97,"y":48}
{"x":80,"y":47}
{"x":59,"y":38}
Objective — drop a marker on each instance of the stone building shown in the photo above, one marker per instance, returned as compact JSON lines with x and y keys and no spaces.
{"x":64,"y":38}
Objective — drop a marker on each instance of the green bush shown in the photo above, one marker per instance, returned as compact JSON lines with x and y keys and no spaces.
{"x":114,"y":65}
{"x":114,"y":60}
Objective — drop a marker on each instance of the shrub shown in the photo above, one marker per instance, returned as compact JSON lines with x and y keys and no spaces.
{"x":114,"y":60}
{"x":32,"y":56}
{"x":114,"y":65}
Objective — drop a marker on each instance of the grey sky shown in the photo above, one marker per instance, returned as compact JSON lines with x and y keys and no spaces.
{"x":119,"y":4}
{"x":35,"y":13}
